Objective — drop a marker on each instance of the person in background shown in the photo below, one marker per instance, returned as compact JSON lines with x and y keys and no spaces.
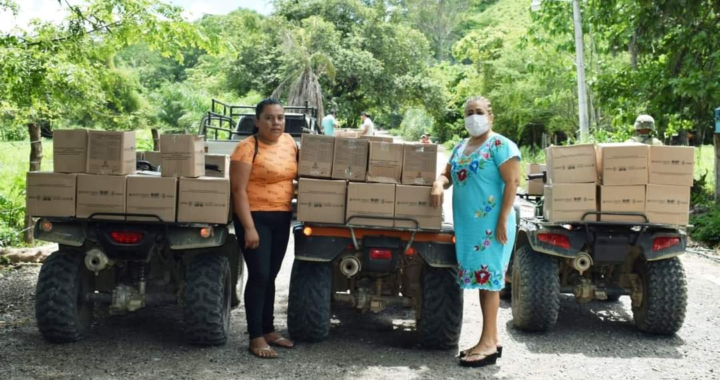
{"x":367,"y":126}
{"x":644,"y":126}
{"x":485,"y":172}
{"x":329,"y":123}
{"x":262,"y":171}
{"x":425,"y":139}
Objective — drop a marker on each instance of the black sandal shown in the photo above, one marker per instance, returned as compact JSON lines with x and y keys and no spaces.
{"x":487,"y":360}
{"x":464,"y":353}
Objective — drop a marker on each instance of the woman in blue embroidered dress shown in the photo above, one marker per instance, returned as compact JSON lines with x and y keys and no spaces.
{"x":485,"y":170}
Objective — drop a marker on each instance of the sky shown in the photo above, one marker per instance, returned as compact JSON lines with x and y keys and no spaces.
{"x":50,"y":10}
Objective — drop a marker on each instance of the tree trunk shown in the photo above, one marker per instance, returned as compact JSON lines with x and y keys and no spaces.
{"x":156,"y":139}
{"x":35,"y":161}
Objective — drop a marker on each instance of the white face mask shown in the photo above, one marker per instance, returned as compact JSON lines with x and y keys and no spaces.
{"x":477,"y":125}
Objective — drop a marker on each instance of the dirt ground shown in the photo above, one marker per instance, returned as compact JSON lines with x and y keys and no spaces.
{"x":594,"y":341}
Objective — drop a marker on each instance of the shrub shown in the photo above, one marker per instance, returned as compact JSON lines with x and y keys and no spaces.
{"x":416,"y":123}
{"x":707,"y":227}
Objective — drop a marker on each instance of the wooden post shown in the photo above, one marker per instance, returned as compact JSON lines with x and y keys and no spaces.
{"x":35,"y":163}
{"x":156,"y":139}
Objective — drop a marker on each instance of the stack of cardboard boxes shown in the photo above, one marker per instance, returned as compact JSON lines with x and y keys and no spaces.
{"x":94,"y":173}
{"x":344,"y":178}
{"x":654,"y":180}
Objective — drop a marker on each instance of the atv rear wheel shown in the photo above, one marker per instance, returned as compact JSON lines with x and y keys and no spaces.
{"x":62,"y":310}
{"x":535,"y":290}
{"x":664,"y":300}
{"x":208,"y":295}
{"x":440,"y":320}
{"x":309,"y":309}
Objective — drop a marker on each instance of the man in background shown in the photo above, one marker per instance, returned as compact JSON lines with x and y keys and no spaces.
{"x":368,"y":128}
{"x":329,"y":123}
{"x":644,"y":126}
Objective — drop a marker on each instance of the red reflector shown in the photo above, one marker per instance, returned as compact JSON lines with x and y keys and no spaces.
{"x":127,"y":237}
{"x":557,"y":240}
{"x":664,"y":242}
{"x":411,"y":251}
{"x":380,"y":254}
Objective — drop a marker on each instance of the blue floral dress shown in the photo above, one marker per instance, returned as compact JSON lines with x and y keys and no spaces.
{"x":477,"y":196}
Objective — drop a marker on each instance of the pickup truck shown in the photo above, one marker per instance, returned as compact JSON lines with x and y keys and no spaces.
{"x":225,"y":125}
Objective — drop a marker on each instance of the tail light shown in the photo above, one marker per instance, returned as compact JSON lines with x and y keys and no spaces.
{"x":664,"y":242}
{"x":206,"y":232}
{"x":127,"y":237}
{"x":557,"y":240}
{"x":307,"y":231}
{"x":46,"y":226}
{"x":380,"y":254}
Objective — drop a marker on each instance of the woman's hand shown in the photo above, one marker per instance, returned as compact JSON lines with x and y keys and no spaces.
{"x":252,"y":239}
{"x":437,"y":194}
{"x":501,"y":232}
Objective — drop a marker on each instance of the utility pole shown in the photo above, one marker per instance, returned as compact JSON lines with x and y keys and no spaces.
{"x":580,"y":65}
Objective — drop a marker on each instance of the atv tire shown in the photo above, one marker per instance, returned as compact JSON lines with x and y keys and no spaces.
{"x":208,"y":294}
{"x":309,"y":309}
{"x":440,"y":320}
{"x":535,"y":290}
{"x":664,"y":301}
{"x":62,"y":311}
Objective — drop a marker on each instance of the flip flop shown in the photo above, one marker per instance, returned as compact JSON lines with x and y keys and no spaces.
{"x":275,"y":343}
{"x":487,"y":360}
{"x":256,"y":352}
{"x":464,"y":353}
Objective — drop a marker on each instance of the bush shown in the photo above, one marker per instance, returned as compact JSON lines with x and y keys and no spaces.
{"x":416,"y":123}
{"x":12,"y":214}
{"x":707,"y":227}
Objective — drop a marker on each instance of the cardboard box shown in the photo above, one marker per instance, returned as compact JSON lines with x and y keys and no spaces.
{"x":182,"y":156}
{"x":153,"y":195}
{"x":571,"y":164}
{"x":101,"y":194}
{"x":536,"y":186}
{"x":350,"y":159}
{"x":385,"y":163}
{"x":50,"y":194}
{"x":140,"y":155}
{"x":217,"y":165}
{"x":111,"y":152}
{"x":378,"y":139}
{"x":419,"y":164}
{"x":70,"y":148}
{"x":668,"y":204}
{"x":321,"y":201}
{"x":568,"y":202}
{"x":153,"y":157}
{"x":371,"y":199}
{"x":672,"y":165}
{"x":622,"y":199}
{"x":623,"y":164}
{"x":413,"y":202}
{"x":204,"y":200}
{"x":316,"y":156}
{"x":348,"y":133}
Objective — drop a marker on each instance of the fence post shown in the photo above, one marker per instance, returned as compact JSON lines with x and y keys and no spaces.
{"x":35,"y":163}
{"x":156,"y":139}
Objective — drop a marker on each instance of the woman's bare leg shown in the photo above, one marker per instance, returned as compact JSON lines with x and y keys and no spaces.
{"x":490,"y":304}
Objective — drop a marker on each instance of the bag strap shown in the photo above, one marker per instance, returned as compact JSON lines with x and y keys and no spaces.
{"x":297,"y":150}
{"x":256,"y":148}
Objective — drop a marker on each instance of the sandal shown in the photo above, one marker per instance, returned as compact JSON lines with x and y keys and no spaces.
{"x":277,"y":343}
{"x":487,"y":360}
{"x":464,"y":353}
{"x":257,"y":352}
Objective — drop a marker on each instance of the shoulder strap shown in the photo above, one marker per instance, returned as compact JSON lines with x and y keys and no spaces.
{"x":256,"y":148}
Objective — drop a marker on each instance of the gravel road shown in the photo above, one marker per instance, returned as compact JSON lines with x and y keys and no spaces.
{"x":597,"y":340}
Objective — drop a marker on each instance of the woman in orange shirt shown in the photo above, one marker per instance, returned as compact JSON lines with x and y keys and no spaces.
{"x":262,"y":171}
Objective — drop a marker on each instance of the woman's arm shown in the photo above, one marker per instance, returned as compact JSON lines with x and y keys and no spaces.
{"x":239,"y":178}
{"x":444,"y":181}
{"x":510,"y":173}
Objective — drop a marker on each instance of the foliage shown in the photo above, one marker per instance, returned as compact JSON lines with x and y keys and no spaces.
{"x":416,"y":122}
{"x":706,"y":227}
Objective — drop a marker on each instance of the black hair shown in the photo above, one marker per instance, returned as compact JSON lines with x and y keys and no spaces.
{"x":364,"y":114}
{"x":265,"y":102}
{"x":333,"y":112}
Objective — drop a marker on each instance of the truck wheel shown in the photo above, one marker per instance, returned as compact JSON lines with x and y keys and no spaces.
{"x":535,"y":290}
{"x":664,"y":301}
{"x":309,"y":301}
{"x":208,"y":292}
{"x":62,"y":311}
{"x":440,"y":320}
